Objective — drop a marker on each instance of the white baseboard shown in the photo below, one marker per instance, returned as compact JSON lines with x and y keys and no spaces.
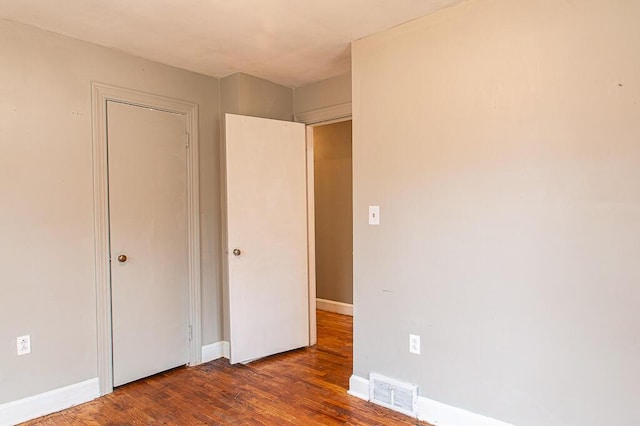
{"x":433,"y":412}
{"x":440,"y":414}
{"x":215,"y":351}
{"x":332,"y":306}
{"x":42,"y":404}
{"x":358,"y":387}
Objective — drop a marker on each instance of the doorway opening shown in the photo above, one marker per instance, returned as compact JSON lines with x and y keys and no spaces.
{"x":330,"y":149}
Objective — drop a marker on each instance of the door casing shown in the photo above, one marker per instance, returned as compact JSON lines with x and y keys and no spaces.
{"x":101,"y":93}
{"x":312,"y":119}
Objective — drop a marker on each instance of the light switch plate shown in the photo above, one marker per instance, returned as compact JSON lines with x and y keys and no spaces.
{"x":374,"y":215}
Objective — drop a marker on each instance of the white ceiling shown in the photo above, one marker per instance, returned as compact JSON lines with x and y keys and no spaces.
{"x":290,"y":42}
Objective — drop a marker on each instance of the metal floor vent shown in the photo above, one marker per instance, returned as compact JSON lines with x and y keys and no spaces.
{"x":393,"y":394}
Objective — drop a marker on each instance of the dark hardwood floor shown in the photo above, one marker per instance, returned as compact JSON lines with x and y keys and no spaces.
{"x":302,"y":387}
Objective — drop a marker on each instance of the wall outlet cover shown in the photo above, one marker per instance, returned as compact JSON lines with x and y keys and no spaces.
{"x":414,"y":344}
{"x":23,"y":344}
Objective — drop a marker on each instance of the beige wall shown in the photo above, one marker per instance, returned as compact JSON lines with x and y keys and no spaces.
{"x":333,"y":212}
{"x":46,"y":181}
{"x":501,"y":140}
{"x":326,"y":93}
{"x":246,"y":95}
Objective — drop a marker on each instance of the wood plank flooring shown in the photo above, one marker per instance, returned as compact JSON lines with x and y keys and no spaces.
{"x":302,"y":387}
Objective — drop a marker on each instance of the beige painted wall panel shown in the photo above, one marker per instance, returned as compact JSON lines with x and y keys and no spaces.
{"x":326,"y":93}
{"x":500,"y":139}
{"x":333,"y":211}
{"x":248,"y":95}
{"x":46,"y":182}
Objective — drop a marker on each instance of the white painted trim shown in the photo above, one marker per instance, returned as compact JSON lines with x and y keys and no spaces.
{"x":333,"y":306}
{"x":325,"y":114}
{"x":19,"y":411}
{"x":101,"y":94}
{"x":311,"y":238}
{"x":358,"y":387}
{"x":215,"y":351}
{"x":439,"y":414}
{"x":436,"y":413}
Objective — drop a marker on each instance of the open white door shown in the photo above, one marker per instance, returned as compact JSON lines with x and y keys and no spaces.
{"x":267,"y":236}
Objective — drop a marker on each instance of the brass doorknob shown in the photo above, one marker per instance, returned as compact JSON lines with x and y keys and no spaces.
{"x":122,"y":258}
{"x":237,"y":252}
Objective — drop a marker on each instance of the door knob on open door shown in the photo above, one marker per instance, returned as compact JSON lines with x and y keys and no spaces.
{"x":237,"y":252}
{"x":122,"y":258}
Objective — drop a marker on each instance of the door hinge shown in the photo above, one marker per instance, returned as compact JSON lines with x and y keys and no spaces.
{"x":190,"y":333}
{"x":186,"y":140}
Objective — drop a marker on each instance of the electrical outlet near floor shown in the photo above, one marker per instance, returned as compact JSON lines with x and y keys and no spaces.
{"x":24,"y":345}
{"x":414,"y":344}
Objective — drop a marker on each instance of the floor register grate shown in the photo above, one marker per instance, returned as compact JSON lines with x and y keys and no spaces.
{"x":393,"y":394}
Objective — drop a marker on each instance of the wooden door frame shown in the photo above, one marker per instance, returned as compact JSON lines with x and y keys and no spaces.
{"x":101,"y":94}
{"x":320,"y":117}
